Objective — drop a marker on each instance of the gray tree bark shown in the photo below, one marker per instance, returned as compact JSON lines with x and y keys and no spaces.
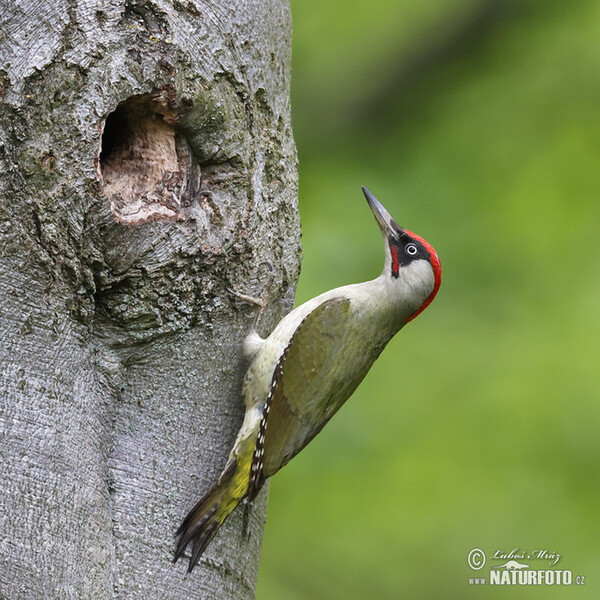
{"x":146,"y":166}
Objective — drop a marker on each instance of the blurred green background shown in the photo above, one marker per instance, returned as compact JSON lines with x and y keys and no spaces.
{"x":477,"y":124}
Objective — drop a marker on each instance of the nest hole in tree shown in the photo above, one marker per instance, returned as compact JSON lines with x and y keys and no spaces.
{"x":144,"y":163}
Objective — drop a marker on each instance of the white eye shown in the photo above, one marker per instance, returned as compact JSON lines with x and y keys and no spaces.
{"x":411,"y":249}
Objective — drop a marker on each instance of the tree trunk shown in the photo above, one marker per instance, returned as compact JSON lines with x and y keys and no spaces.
{"x":146,"y":166}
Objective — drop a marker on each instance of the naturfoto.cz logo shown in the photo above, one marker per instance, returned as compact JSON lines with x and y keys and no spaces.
{"x":516,"y":568}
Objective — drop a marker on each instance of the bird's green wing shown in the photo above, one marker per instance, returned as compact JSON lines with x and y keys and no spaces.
{"x":321,"y":367}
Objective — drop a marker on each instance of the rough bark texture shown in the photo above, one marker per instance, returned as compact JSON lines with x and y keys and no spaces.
{"x":119,"y":343}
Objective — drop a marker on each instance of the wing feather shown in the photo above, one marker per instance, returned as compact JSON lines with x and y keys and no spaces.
{"x":322,"y":365}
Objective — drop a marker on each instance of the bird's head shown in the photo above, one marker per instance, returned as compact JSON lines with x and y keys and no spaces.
{"x":410,"y":261}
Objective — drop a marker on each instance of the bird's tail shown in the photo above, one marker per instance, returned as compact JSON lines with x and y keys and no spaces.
{"x":203,"y":521}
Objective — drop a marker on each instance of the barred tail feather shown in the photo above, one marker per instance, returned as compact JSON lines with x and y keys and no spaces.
{"x":203,"y":521}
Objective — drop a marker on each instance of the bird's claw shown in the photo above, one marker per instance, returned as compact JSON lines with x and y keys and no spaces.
{"x":261,"y":301}
{"x":288,"y":298}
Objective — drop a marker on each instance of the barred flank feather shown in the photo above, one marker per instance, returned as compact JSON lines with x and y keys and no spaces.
{"x":204,"y":520}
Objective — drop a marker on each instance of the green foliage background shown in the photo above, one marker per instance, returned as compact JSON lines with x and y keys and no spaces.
{"x":477,"y":124}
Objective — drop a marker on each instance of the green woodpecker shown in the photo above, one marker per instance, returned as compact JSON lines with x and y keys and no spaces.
{"x":309,"y":366}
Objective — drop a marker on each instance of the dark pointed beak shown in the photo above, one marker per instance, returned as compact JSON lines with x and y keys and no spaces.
{"x":388,"y":226}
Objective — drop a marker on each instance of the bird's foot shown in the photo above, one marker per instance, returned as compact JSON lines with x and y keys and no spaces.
{"x":249,"y":299}
{"x":246,"y":520}
{"x":261,"y":301}
{"x":288,"y":298}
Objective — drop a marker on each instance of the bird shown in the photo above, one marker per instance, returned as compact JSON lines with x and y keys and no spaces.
{"x":311,"y":363}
